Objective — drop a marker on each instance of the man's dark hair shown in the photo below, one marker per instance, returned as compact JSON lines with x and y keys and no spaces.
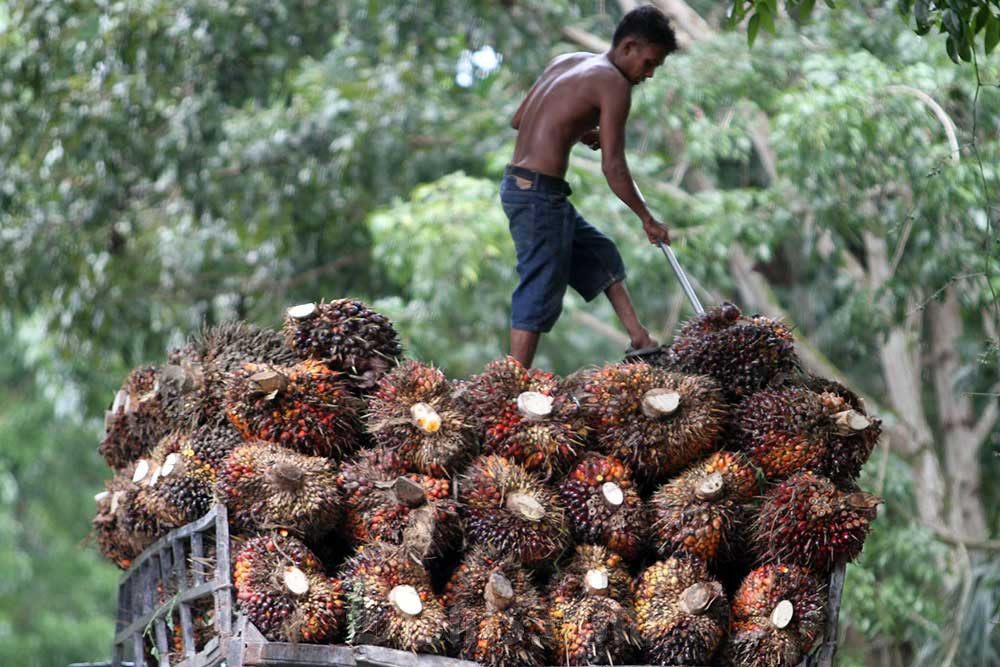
{"x":647,"y":23}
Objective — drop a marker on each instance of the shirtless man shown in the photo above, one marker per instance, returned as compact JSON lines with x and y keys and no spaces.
{"x":579,"y":97}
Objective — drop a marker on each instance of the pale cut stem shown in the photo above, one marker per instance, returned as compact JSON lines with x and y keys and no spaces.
{"x":526,"y":506}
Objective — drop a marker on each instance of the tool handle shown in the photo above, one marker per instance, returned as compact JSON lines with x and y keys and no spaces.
{"x":682,"y":278}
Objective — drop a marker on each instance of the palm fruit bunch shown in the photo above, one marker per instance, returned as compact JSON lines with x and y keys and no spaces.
{"x":391,"y":602}
{"x":210,"y":445}
{"x":699,"y":512}
{"x":113,"y":542}
{"x":591,"y":613}
{"x":305,"y":407}
{"x":525,"y":417}
{"x":136,"y":419}
{"x":347,"y":336}
{"x":496,"y":612}
{"x":193,"y":384}
{"x":136,"y":518}
{"x":267,"y":486}
{"x":655,"y":421}
{"x":384,"y":502}
{"x":777,"y":617}
{"x":412,"y":411}
{"x":511,"y":511}
{"x":603,"y":505}
{"x":682,"y":612}
{"x":180,"y":489}
{"x":808,"y":521}
{"x":282,"y":588}
{"x":855,"y":433}
{"x":202,"y":629}
{"x":742,"y":353}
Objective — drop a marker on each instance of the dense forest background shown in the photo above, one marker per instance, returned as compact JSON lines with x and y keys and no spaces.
{"x":166,"y":165}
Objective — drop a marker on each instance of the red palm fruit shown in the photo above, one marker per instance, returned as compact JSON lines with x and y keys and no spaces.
{"x":699,"y":511}
{"x":855,"y":432}
{"x":209,"y":445}
{"x":281,"y":587}
{"x":525,"y":417}
{"x":193,"y":384}
{"x":778,"y":616}
{"x":391,"y":602}
{"x":682,"y":612}
{"x":135,"y":517}
{"x":180,"y":487}
{"x":497,"y":612}
{"x":655,"y":421}
{"x":266,"y":486}
{"x":136,"y":419}
{"x":742,"y":353}
{"x":306,"y":407}
{"x":347,"y":336}
{"x":383,"y":502}
{"x":510,"y":510}
{"x":603,"y":506}
{"x":808,"y":521}
{"x":413,"y":411}
{"x":592,"y":570}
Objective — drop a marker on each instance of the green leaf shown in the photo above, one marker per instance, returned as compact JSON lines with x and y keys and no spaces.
{"x":904,"y":6}
{"x":752,"y":28}
{"x":992,"y":36}
{"x":982,"y":16}
{"x":965,"y":48}
{"x":766,"y":19}
{"x":806,"y":9}
{"x":921,"y":13}
{"x":831,"y":4}
{"x":952,"y":50}
{"x":953,"y":24}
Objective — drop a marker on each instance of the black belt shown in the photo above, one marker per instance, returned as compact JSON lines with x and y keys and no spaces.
{"x":540,"y":181}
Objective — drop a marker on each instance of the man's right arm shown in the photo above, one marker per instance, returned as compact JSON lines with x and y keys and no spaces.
{"x":614,"y":112}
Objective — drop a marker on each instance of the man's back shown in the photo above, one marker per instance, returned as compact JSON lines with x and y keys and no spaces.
{"x":563,"y":104}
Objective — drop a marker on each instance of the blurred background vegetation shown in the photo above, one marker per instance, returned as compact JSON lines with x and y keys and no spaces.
{"x":170,"y":164}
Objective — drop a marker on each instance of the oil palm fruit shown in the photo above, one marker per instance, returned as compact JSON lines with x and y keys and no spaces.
{"x":266,"y":486}
{"x":210,"y":445}
{"x":135,"y":516}
{"x":347,"y":336}
{"x":412,"y":411}
{"x":113,"y":541}
{"x":391,"y":602}
{"x":180,"y":489}
{"x":281,"y":587}
{"x":194,"y":383}
{"x":699,"y":511}
{"x":655,"y":421}
{"x":742,"y":353}
{"x":808,"y":521}
{"x":777,"y":617}
{"x":591,"y":613}
{"x":524,"y":417}
{"x":855,"y":433}
{"x":305,"y":407}
{"x":136,"y":419}
{"x":510,"y":510}
{"x":496,"y":611}
{"x":682,"y":612}
{"x":603,"y":505}
{"x":384,"y":502}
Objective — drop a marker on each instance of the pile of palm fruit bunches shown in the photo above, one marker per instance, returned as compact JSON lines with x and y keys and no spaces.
{"x":686,"y":510}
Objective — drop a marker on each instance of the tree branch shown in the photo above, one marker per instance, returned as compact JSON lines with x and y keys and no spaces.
{"x":601,"y":327}
{"x":686,"y":19}
{"x":949,"y":126}
{"x":987,"y":420}
{"x":585,"y":39}
{"x":627,"y":5}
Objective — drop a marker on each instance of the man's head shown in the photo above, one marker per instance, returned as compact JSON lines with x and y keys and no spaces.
{"x":641,"y":41}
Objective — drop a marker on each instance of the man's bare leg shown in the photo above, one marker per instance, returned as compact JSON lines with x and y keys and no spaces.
{"x":523,"y":345}
{"x":622,"y":303}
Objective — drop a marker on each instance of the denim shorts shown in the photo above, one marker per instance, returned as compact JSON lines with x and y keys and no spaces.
{"x":555,"y":247}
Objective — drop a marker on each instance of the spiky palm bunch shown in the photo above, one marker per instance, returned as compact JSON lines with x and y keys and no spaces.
{"x":808,"y":521}
{"x":282,"y":588}
{"x":194,"y":383}
{"x":180,"y":489}
{"x":497,"y":612}
{"x":136,"y":419}
{"x":524,"y":416}
{"x":413,"y":411}
{"x":682,"y":611}
{"x":855,"y":433}
{"x":346,"y":335}
{"x":113,"y":541}
{"x":266,"y":486}
{"x":699,"y":511}
{"x":656,"y":421}
{"x":391,"y":602}
{"x":210,"y":444}
{"x":592,"y":570}
{"x":743,"y":353}
{"x":136,"y":520}
{"x":305,"y":407}
{"x":778,"y":616}
{"x":603,"y":505}
{"x":510,"y":510}
{"x":384,"y":502}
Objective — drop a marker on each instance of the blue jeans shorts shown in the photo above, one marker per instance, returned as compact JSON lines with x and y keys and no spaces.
{"x":555,"y":247}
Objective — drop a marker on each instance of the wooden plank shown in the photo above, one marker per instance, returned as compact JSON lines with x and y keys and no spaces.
{"x":160,"y":636}
{"x":223,"y":572}
{"x":139,"y":624}
{"x":178,"y":533}
{"x":197,"y":559}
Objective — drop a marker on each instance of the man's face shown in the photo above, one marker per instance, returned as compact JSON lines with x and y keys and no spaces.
{"x":641,"y":59}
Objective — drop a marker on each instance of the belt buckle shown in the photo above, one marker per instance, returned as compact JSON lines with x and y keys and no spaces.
{"x":523,"y":183}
